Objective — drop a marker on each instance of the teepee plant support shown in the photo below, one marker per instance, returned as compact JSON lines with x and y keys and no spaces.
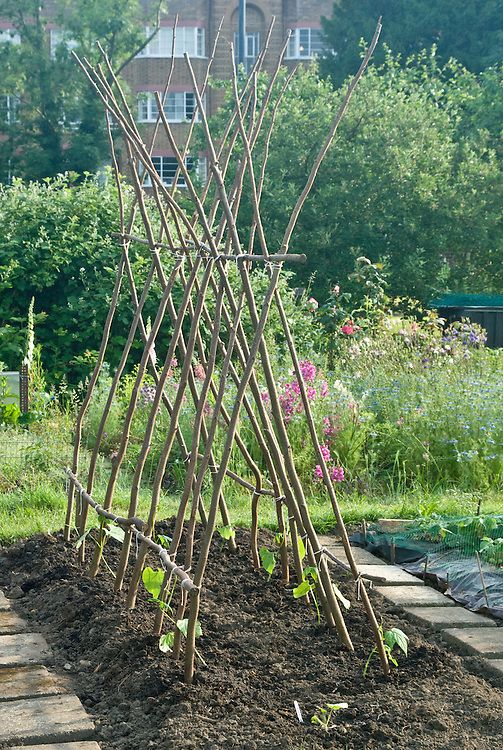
{"x":191,"y":252}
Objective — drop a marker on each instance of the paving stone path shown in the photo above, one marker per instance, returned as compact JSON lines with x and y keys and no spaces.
{"x":468,"y":633}
{"x":36,"y":709}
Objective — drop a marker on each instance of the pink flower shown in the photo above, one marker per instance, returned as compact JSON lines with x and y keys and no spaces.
{"x":172,"y":364}
{"x":287,"y":405}
{"x":318,"y":473}
{"x":348,"y":328}
{"x":325,"y":452}
{"x":336,"y":290}
{"x":199,"y":373}
{"x":265,"y":397}
{"x":312,"y":304}
{"x":337,"y":474}
{"x":295,"y":387}
{"x":311,"y":393}
{"x":308,"y":370}
{"x":324,"y":389}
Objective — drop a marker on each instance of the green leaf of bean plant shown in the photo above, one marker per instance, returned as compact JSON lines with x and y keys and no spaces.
{"x":226,"y":532}
{"x":301,"y":547}
{"x":115,"y":532}
{"x":268,"y":560}
{"x":302,"y":589}
{"x":183,"y":626}
{"x":396,"y":637}
{"x":166,"y":642}
{"x":152,"y":580}
{"x":311,"y":572}
{"x":81,"y":539}
{"x":164,"y":540}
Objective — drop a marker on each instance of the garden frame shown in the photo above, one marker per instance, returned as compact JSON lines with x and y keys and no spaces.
{"x":201,"y":247}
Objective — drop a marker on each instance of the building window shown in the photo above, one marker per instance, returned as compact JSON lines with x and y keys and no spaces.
{"x":305,"y":44}
{"x":252,"y":48}
{"x":11,"y":36}
{"x":178,"y":107}
{"x":61,"y":40}
{"x":9,"y":109}
{"x":188,"y":39}
{"x":166,"y":167}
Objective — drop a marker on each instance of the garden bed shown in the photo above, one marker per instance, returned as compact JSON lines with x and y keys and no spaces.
{"x":263,"y":650}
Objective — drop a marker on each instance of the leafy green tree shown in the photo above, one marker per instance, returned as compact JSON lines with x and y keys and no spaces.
{"x":471,"y":31}
{"x":413,"y":180}
{"x":55,"y":122}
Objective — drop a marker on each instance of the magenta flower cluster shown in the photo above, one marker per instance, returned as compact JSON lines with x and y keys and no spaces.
{"x":291,"y":404}
{"x":290,"y":397}
{"x":336,"y":472}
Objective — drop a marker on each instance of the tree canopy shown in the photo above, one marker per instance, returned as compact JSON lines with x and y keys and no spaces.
{"x":52,"y":121}
{"x":413,"y":181}
{"x":471,"y":31}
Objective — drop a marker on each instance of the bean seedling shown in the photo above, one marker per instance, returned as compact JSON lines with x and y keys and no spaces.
{"x":226,"y":532}
{"x":390,"y":638}
{"x":152,"y":580}
{"x":323,"y":717}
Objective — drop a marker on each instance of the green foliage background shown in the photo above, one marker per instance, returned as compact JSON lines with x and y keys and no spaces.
{"x":470,"y":31}
{"x":56,"y":245}
{"x":413,"y":181}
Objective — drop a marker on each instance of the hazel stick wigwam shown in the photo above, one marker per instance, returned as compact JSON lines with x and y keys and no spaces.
{"x":204,"y":270}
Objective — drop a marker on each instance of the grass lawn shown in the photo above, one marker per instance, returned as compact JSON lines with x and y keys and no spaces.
{"x":41,"y":507}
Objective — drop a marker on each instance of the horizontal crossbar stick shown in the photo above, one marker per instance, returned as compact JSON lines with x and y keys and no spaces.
{"x":240,"y":480}
{"x":290,"y":258}
{"x":136,"y":525}
{"x":368,"y":577}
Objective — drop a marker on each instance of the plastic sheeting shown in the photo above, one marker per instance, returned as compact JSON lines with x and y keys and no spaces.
{"x":455,"y":574}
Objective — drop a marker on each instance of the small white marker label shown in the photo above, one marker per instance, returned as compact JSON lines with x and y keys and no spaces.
{"x":298,"y":712}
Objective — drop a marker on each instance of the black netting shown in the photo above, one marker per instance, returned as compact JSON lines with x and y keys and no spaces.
{"x":463,"y":556}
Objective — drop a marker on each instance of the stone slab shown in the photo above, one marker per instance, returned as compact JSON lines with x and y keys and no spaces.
{"x":486,"y":642}
{"x":61,"y":746}
{"x":392,"y":575}
{"x":4,"y":602}
{"x":56,"y":719}
{"x":496,"y":665}
{"x":439,"y":618}
{"x":394,"y":525}
{"x":23,"y":649}
{"x":414,"y":596}
{"x":27,"y":682}
{"x":362,"y":556}
{"x":11,"y":623}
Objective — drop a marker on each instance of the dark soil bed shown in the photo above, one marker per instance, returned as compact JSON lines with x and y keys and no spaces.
{"x":263,"y":650}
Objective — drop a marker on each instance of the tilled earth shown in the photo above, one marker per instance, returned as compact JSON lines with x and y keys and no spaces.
{"x":263,"y":650}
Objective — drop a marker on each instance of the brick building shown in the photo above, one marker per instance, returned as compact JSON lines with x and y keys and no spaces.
{"x":198,"y":21}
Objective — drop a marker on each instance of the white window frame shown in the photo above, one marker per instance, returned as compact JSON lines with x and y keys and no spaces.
{"x":188,"y":39}
{"x":161,"y":164}
{"x":252,"y":48}
{"x":178,"y":107}
{"x":10,"y":110}
{"x":59,"y":37}
{"x":10,"y":36}
{"x":301,"y":43}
